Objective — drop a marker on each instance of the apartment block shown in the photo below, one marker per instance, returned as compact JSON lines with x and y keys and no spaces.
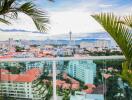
{"x":85,"y":71}
{"x":19,"y":86}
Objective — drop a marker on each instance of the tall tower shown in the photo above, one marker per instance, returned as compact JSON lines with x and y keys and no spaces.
{"x":70,"y":38}
{"x":70,"y":33}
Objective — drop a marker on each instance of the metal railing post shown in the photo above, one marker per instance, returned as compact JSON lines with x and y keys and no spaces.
{"x":54,"y":81}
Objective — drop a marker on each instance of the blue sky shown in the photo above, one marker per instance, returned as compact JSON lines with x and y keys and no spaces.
{"x":66,"y":15}
{"x":95,"y":4}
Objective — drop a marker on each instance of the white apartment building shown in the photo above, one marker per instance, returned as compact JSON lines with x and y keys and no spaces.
{"x":19,"y":86}
{"x":85,"y":71}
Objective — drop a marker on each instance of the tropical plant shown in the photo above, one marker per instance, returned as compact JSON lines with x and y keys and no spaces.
{"x":10,"y":9}
{"x":44,"y":90}
{"x":120,"y":29}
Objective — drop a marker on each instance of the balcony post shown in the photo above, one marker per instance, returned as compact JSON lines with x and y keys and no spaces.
{"x":54,"y":80}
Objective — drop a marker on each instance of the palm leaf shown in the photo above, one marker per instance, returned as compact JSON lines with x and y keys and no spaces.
{"x":40,"y":18}
{"x":5,"y":6}
{"x":120,"y":33}
{"x":4,"y":21}
{"x":10,"y":9}
{"x":127,"y":20}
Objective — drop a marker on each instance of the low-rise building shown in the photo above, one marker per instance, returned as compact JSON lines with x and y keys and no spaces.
{"x":19,"y":86}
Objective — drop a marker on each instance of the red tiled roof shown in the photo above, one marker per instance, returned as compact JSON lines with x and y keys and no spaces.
{"x":90,"y":85}
{"x":59,"y":83}
{"x":4,"y":71}
{"x":88,"y":91}
{"x":7,"y":77}
{"x":106,"y":76}
{"x":29,"y":76}
{"x":75,"y":86}
{"x":66,"y":86}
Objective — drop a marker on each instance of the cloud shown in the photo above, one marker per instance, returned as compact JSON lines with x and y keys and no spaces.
{"x":21,"y":35}
{"x":77,"y":22}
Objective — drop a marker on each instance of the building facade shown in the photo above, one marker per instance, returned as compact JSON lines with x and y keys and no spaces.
{"x":84,"y":71}
{"x":19,"y":86}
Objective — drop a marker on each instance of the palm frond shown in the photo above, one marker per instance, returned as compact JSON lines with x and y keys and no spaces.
{"x":40,"y":18}
{"x":4,"y":21}
{"x":1,"y":5}
{"x":127,"y":20}
{"x":10,"y":9}
{"x":120,"y":33}
{"x":5,"y":5}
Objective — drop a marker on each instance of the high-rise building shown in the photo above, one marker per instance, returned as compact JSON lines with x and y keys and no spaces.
{"x":84,"y":71}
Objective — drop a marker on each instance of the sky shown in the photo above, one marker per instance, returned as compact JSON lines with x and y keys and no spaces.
{"x":65,"y":16}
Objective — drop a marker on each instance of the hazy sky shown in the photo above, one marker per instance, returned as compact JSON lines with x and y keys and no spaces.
{"x":66,"y":15}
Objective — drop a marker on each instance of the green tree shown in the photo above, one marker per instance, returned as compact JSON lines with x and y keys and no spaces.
{"x":10,"y":9}
{"x":120,"y":29}
{"x":19,"y":49}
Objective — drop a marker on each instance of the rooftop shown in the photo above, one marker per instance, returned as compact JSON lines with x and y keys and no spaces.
{"x":28,"y":76}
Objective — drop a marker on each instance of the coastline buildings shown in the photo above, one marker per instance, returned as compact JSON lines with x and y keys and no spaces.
{"x":84,"y":71}
{"x":19,"y":86}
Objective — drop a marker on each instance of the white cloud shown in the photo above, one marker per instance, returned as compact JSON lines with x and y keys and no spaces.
{"x":77,"y":22}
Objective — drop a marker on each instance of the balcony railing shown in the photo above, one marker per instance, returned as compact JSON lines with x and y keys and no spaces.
{"x":55,"y":68}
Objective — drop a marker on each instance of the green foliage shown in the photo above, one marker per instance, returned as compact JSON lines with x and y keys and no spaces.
{"x":66,"y":95}
{"x":127,"y":20}
{"x":126,"y":73}
{"x":13,"y":70}
{"x":120,"y":30}
{"x":113,"y":89}
{"x":9,"y":9}
{"x":19,"y":49}
{"x":44,"y":90}
{"x":106,"y":53}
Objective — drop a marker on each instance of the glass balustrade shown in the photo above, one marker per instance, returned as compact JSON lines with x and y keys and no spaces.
{"x":63,"y":78}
